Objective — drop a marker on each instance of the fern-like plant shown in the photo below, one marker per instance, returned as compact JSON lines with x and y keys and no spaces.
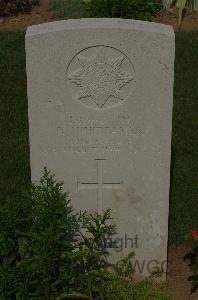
{"x":43,"y":252}
{"x":181,"y":4}
{"x":167,"y":3}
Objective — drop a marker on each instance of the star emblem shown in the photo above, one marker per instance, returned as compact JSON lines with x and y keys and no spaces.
{"x":100,"y":77}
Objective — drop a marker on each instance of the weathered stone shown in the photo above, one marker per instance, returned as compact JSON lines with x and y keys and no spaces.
{"x":100,"y":111}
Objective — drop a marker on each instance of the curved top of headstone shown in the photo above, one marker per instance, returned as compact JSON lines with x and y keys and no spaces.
{"x":99,"y":23}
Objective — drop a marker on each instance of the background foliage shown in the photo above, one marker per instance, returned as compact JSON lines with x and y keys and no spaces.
{"x":136,"y":9}
{"x":67,"y":8}
{"x":14,"y":7}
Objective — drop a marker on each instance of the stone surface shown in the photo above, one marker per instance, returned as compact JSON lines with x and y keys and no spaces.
{"x":100,"y":113}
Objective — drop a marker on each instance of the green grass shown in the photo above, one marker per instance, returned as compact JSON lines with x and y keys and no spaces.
{"x":184,"y":181}
{"x":14,"y":147}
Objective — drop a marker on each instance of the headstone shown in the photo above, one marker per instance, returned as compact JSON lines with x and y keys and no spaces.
{"x":194,"y":5}
{"x":100,"y":112}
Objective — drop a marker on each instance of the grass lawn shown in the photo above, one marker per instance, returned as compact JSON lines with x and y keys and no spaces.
{"x":184,"y":171}
{"x":14,"y":147}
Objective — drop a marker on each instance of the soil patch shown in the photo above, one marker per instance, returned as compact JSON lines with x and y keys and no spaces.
{"x":178,"y":285}
{"x":40,"y":14}
{"x":189,"y":23}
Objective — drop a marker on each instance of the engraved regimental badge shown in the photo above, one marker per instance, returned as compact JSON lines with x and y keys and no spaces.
{"x":100,"y":77}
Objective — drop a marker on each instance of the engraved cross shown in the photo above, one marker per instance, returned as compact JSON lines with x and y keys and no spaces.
{"x":99,"y":185}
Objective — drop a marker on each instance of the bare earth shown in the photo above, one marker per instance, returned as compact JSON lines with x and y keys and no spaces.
{"x":40,"y":14}
{"x":178,"y":272}
{"x":189,"y":23}
{"x":178,"y":285}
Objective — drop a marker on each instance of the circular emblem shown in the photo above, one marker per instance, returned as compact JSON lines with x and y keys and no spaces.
{"x":100,"y":77}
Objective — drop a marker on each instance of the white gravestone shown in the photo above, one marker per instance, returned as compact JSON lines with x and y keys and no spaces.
{"x":100,"y":113}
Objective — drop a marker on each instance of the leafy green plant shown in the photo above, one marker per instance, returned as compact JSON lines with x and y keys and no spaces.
{"x":91,"y":252}
{"x":93,"y":241}
{"x":137,"y":9}
{"x":15,"y":223}
{"x":124,"y":267}
{"x":43,"y":253}
{"x":121,"y":285}
{"x":95,"y":252}
{"x":47,"y":252}
{"x":119,"y":288}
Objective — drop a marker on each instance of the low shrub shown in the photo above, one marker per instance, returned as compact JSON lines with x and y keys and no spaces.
{"x":136,"y":9}
{"x":47,"y":251}
{"x":14,"y":7}
{"x":43,"y":252}
{"x":119,"y":288}
{"x":121,"y":284}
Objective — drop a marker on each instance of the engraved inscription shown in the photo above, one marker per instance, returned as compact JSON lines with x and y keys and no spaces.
{"x":100,"y":74}
{"x":83,"y":134}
